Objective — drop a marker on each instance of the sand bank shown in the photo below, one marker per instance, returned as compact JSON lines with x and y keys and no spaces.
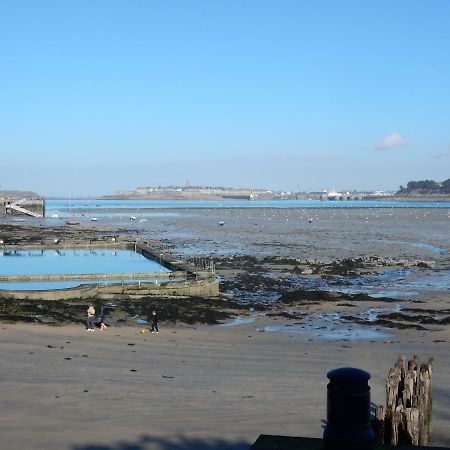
{"x":205,"y":387}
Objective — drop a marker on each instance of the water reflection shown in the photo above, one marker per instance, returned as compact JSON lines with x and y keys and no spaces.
{"x":43,"y":262}
{"x":54,"y":285}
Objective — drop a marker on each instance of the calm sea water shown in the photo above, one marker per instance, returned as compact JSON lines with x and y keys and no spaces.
{"x":78,"y":205}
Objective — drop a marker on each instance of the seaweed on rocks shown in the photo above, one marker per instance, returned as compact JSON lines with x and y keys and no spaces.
{"x":383,"y":322}
{"x":50,"y":312}
{"x":427,"y":311}
{"x":237,"y":262}
{"x":189,"y":310}
{"x":279,"y":260}
{"x":305,"y":296}
{"x":420,"y":318}
{"x":286,"y":315}
{"x":298,"y":270}
{"x":253,"y":283}
{"x":401,"y":320}
{"x":301,"y":296}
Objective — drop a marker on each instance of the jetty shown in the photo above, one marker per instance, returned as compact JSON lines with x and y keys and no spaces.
{"x":23,"y":203}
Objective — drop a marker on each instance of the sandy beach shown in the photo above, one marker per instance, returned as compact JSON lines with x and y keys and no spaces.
{"x":186,"y":387}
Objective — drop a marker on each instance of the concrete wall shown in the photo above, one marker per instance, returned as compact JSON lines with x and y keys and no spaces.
{"x":51,"y":245}
{"x":166,"y":260}
{"x":171,"y":263}
{"x":91,"y":276}
{"x":202,"y":288}
{"x":83,"y":292}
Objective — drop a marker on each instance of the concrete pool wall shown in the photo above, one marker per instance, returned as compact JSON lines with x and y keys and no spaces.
{"x":194,"y":281}
{"x":193,"y":288}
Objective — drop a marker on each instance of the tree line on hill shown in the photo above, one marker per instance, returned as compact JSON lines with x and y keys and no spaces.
{"x":426,"y":187}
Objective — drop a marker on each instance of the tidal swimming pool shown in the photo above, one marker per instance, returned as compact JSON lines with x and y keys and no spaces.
{"x":73,"y":261}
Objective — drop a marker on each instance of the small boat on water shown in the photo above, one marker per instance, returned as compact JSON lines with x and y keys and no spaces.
{"x":55,"y":215}
{"x":333,"y":195}
{"x":94,"y":219}
{"x":72,"y":222}
{"x":221,"y":223}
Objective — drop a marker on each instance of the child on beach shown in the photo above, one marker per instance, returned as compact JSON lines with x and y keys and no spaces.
{"x":154,"y":322}
{"x":90,"y":319}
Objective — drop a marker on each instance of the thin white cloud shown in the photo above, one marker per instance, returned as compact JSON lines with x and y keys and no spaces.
{"x":442,"y":155}
{"x":391,"y":141}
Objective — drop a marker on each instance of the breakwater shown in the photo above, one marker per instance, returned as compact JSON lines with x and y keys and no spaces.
{"x":34,"y":207}
{"x":190,"y":270}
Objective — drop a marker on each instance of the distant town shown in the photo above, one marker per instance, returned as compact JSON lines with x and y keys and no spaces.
{"x":425,"y":190}
{"x":414,"y":190}
{"x":189,"y":192}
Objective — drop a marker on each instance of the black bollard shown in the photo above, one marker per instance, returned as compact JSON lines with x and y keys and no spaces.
{"x":348,"y":411}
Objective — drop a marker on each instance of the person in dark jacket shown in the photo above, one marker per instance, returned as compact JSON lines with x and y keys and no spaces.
{"x":154,"y":322}
{"x":101,"y":319}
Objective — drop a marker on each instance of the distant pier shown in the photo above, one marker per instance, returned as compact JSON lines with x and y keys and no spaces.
{"x":34,"y":207}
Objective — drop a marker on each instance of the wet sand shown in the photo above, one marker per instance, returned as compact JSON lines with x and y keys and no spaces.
{"x":333,"y":232}
{"x":187,"y":387}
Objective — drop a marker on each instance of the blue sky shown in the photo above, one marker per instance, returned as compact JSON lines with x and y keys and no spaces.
{"x":100,"y":96}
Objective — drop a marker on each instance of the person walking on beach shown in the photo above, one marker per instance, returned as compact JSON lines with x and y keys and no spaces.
{"x":154,"y":322}
{"x":101,"y":319}
{"x":90,"y":319}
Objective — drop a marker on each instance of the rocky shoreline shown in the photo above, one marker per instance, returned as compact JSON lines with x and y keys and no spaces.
{"x":276,"y":286}
{"x":290,"y":306}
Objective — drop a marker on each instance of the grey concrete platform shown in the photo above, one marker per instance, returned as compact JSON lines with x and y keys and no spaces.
{"x":268,"y":442}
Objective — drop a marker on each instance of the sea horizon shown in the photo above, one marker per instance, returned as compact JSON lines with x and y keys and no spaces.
{"x":125,"y":204}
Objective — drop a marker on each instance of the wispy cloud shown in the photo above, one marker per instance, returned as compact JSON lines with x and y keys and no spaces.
{"x":392,"y":141}
{"x":442,"y":155}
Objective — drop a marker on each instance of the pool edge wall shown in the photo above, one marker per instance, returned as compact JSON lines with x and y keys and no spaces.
{"x":200,"y":288}
{"x":204,"y":285}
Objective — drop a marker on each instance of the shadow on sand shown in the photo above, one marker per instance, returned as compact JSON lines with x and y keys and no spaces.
{"x":178,"y":443}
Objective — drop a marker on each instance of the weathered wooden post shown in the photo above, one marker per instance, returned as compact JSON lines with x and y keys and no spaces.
{"x":406,"y":418}
{"x":348,"y":411}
